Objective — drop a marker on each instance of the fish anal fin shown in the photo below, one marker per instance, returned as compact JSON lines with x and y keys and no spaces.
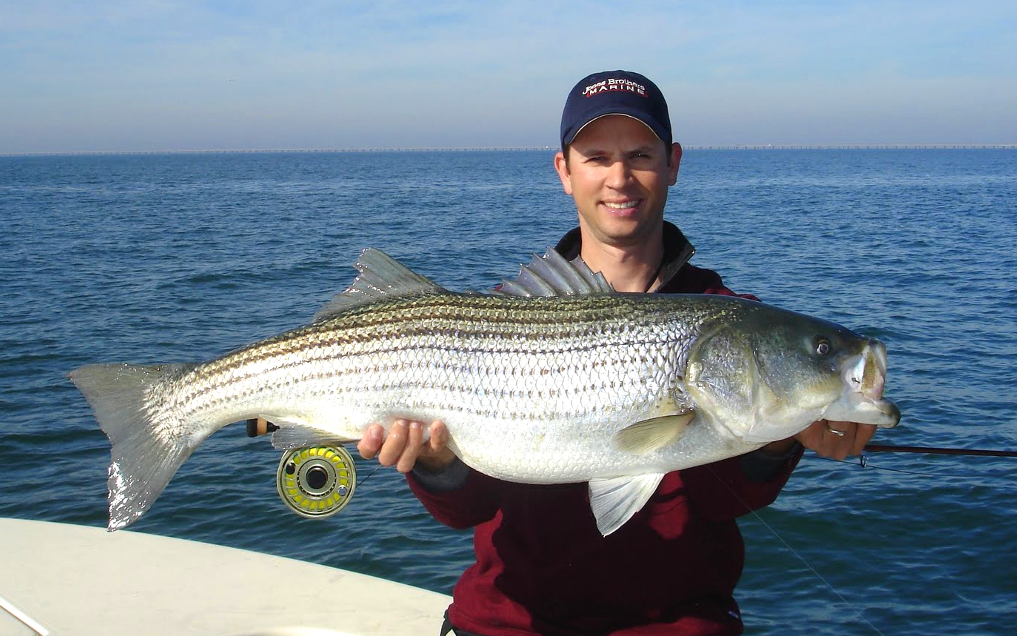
{"x":615,"y":500}
{"x":297,"y":434}
{"x":653,"y":434}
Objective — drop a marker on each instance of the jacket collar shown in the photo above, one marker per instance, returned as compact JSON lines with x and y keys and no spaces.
{"x":677,"y":250}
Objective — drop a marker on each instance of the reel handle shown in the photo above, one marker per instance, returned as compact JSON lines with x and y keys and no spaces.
{"x":260,"y":426}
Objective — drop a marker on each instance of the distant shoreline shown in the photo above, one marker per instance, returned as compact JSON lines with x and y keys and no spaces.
{"x":507,"y":149}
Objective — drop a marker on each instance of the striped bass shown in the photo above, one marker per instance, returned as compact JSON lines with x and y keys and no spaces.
{"x":554,"y":378}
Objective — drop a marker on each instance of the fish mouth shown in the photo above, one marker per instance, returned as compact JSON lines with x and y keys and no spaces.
{"x":868,"y":375}
{"x":864,"y":377}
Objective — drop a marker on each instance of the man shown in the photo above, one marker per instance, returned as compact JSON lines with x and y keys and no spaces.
{"x":542,"y":566}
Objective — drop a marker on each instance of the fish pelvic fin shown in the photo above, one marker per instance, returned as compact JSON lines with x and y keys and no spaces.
{"x":381,"y":276}
{"x":147,"y":446}
{"x":553,"y":275}
{"x":615,"y":500}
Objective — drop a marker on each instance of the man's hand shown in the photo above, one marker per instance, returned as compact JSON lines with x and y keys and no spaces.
{"x":405,"y":447}
{"x":836,"y":439}
{"x":828,"y":439}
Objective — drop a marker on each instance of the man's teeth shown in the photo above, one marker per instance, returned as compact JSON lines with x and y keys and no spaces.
{"x":621,"y":206}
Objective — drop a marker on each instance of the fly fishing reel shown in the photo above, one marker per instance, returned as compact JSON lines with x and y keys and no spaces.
{"x":315,"y":481}
{"x":318,"y":481}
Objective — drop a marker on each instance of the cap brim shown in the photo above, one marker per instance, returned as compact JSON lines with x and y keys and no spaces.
{"x":654,"y":127}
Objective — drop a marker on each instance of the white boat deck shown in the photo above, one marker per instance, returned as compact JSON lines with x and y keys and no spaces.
{"x":65,"y":579}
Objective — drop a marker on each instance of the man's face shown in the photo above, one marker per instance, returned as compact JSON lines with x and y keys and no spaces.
{"x":618,"y":174}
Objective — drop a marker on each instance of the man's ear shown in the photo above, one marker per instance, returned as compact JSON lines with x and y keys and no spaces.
{"x":561,"y":166}
{"x":676,"y":159}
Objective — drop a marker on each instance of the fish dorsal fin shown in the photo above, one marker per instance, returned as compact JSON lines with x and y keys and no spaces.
{"x":553,"y":275}
{"x":615,"y":500}
{"x":381,"y":276}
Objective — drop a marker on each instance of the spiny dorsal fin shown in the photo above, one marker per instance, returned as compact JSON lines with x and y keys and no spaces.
{"x":381,"y":276}
{"x":552,"y":275}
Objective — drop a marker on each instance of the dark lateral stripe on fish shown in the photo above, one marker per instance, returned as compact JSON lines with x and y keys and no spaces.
{"x":291,"y":362}
{"x":320,"y":341}
{"x":359,"y":364}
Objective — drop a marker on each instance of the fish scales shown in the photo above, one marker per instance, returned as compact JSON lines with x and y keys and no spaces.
{"x":480,"y":362}
{"x":582,"y":385}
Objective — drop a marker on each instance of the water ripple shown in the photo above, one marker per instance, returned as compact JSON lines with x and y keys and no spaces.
{"x":181,"y":257}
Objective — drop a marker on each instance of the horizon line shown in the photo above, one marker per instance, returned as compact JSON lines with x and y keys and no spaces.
{"x":967,"y":146}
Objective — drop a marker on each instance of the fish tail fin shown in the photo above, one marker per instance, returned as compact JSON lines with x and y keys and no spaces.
{"x":146,"y":451}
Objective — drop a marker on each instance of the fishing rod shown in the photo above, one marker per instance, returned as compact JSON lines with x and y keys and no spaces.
{"x":256,"y":427}
{"x":929,"y":450}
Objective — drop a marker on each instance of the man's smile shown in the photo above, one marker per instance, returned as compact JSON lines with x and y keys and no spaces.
{"x":622,"y":207}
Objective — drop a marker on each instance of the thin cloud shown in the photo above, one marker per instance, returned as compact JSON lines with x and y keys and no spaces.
{"x":175,"y":75}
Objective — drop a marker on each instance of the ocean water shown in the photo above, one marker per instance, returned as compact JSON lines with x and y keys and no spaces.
{"x":179,"y":257}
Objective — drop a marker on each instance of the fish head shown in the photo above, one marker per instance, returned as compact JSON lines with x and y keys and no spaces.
{"x":765,"y":374}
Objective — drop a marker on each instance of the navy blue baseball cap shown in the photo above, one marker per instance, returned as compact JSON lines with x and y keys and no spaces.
{"x":615,"y":93}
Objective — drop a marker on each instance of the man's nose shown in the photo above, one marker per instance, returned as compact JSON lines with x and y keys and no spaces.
{"x":619,"y":173}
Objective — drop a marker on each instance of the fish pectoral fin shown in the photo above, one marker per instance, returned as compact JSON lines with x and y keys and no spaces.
{"x":655,"y":433}
{"x":616,"y":499}
{"x":293,"y":434}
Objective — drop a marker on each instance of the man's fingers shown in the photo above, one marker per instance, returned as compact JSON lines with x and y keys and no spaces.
{"x":394,"y":444}
{"x":438,"y":440}
{"x":851,"y":441}
{"x":404,"y":447}
{"x":371,"y":442}
{"x":813,"y":436}
{"x":836,"y":439}
{"x":414,"y":439}
{"x":862,"y":437}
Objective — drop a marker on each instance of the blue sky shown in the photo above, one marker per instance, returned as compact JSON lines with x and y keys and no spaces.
{"x":166,"y":75}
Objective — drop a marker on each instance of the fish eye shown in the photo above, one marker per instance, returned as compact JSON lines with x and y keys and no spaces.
{"x":823,"y":347}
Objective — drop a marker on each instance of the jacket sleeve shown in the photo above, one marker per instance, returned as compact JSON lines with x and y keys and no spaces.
{"x":459,"y":498}
{"x":724,"y":291}
{"x":732,"y":488}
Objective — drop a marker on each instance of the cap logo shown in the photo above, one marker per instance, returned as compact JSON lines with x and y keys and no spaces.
{"x":614,"y":85}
